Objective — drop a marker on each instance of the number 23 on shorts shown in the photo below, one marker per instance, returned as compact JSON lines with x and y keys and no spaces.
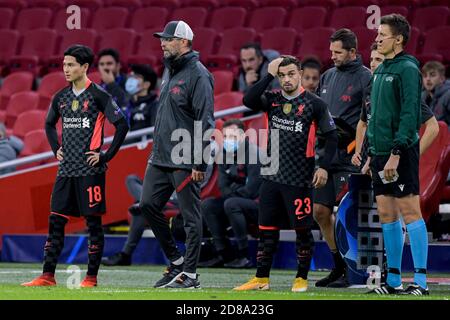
{"x":303,"y":207}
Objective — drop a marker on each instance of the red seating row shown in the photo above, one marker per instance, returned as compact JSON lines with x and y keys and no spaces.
{"x":220,"y":19}
{"x":43,"y":47}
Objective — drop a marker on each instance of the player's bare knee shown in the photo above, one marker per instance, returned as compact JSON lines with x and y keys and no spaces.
{"x":321,"y":214}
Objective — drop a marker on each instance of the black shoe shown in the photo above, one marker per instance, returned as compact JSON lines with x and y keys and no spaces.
{"x":342,"y":282}
{"x":134,"y":210}
{"x":238,"y":263}
{"x":334,"y":275}
{"x":169,"y":275}
{"x":386,"y":289}
{"x":184,"y":282}
{"x":215,"y":262}
{"x":118,"y":259}
{"x":416,"y":290}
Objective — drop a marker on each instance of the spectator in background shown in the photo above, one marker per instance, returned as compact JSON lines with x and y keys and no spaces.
{"x":144,"y":103}
{"x":10,"y":147}
{"x":254,"y":66}
{"x":310,"y":73}
{"x":239,"y":182}
{"x":112,"y":80}
{"x":436,"y":91}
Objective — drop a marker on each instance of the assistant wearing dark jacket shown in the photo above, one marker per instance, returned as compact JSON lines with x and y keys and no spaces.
{"x":187,"y":95}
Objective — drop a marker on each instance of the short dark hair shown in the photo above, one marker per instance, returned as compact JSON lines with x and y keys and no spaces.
{"x":234,"y":122}
{"x":110,"y":52}
{"x":253,"y":45}
{"x":311,"y":62}
{"x":287,"y":60}
{"x":373,"y":47}
{"x":398,"y":25}
{"x":347,"y":37}
{"x":147,"y":73}
{"x":434,"y":66}
{"x":82,"y":54}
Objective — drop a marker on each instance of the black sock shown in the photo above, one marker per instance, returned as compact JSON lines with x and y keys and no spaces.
{"x":304,"y":247}
{"x":227,"y":254}
{"x":55,"y":242}
{"x":339,"y":263}
{"x":95,"y":245}
{"x":267,"y":246}
{"x":243,"y":253}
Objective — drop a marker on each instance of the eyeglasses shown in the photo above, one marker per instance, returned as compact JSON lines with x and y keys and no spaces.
{"x":168,"y":39}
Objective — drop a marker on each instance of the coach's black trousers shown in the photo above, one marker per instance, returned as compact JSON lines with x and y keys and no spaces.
{"x":159,"y":184}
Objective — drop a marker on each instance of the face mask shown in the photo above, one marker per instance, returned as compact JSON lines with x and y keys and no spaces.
{"x":230,"y":145}
{"x":132,"y":85}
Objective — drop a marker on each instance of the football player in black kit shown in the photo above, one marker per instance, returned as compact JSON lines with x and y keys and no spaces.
{"x":286,"y":196}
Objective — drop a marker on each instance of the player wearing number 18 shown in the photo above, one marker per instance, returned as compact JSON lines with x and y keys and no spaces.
{"x":286,"y":195}
{"x":79,"y":189}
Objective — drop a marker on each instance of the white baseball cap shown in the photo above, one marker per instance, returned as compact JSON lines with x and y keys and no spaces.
{"x":176,"y":29}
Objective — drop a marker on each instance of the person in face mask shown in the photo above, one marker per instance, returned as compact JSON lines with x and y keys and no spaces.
{"x":239,"y":182}
{"x":144,"y":102}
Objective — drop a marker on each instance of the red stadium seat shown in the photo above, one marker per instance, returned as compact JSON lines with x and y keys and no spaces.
{"x":437,"y":41}
{"x":130,"y":4}
{"x":18,"y":103}
{"x":51,"y":4}
{"x":413,"y":42}
{"x":228,"y":100}
{"x":16,"y":5}
{"x":207,"y":4}
{"x":307,"y":18}
{"x":362,"y":3}
{"x":15,"y":82}
{"x":365,"y":39}
{"x":287,"y":4}
{"x":223,"y":81}
{"x":232,"y":41}
{"x":169,"y":4}
{"x":249,"y":5}
{"x":267,"y":18}
{"x":260,"y":133}
{"x":123,"y":40}
{"x":92,"y":5}
{"x":433,"y":170}
{"x":271,"y":40}
{"x":195,"y":17}
{"x":50,"y":84}
{"x":348,"y":17}
{"x":205,"y":42}
{"x":439,"y":3}
{"x":149,"y":18}
{"x":410,"y":4}
{"x":9,"y":40}
{"x":28,"y":121}
{"x":227,"y":18}
{"x":108,"y":129}
{"x":316,"y":42}
{"x":33,"y":18}
{"x":6,"y":18}
{"x":38,"y":46}
{"x":330,"y":5}
{"x":109,"y":18}
{"x":95,"y":77}
{"x":35,"y":142}
{"x":60,"y":21}
{"x":430,"y":17}
{"x":212,"y":188}
{"x":385,"y":10}
{"x":148,"y":47}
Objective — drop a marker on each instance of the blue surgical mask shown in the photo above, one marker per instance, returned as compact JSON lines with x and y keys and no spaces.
{"x":230,"y":145}
{"x":132,"y":85}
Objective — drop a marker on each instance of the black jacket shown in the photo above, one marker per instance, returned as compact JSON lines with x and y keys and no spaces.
{"x":187,"y":95}
{"x":241,"y":180}
{"x":143,"y":111}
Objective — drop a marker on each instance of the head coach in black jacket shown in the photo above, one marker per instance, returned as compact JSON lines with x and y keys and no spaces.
{"x":177,"y":162}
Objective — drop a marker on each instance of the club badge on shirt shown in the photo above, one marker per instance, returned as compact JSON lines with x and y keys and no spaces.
{"x":75,"y":105}
{"x":287,"y":107}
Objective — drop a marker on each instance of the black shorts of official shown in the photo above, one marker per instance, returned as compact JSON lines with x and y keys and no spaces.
{"x":79,"y":196}
{"x":283,"y":206}
{"x":408,"y":171}
{"x":333,"y":191}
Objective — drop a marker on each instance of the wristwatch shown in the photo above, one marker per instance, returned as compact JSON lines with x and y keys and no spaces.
{"x":396,"y":152}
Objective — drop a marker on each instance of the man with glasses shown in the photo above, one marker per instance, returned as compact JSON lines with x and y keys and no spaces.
{"x":186,"y":101}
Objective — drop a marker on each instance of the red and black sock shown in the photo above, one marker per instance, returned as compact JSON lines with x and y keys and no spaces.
{"x":304,"y":247}
{"x":55,"y":242}
{"x":267,"y":246}
{"x":95,"y":245}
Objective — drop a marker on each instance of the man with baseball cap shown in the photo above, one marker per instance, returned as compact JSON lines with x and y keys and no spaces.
{"x":186,"y":100}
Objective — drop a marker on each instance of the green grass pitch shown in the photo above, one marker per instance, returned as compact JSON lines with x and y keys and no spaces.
{"x":135,"y":282}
